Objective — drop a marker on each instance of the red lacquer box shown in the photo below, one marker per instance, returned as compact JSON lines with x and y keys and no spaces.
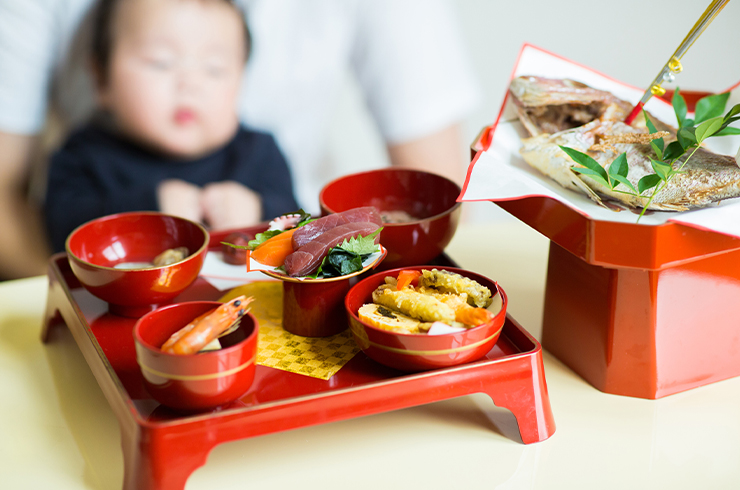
{"x":162,"y":447}
{"x":636,"y":310}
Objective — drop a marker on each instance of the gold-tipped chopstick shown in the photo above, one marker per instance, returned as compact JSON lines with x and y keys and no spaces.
{"x":673,"y":66}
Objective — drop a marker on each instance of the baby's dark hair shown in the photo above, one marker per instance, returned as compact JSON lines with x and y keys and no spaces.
{"x":102,"y":34}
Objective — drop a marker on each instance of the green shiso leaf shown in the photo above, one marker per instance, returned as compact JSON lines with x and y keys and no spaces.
{"x":361,"y":244}
{"x":348,"y":256}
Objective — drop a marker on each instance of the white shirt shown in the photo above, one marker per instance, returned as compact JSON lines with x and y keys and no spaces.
{"x":407,"y":56}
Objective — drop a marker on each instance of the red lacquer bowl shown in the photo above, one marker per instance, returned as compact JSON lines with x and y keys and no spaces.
{"x":314,"y":307}
{"x":419,"y":352}
{"x":200,"y":381}
{"x":96,"y":247}
{"x":430,"y":198}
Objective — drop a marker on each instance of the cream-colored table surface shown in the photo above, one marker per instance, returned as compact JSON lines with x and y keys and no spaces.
{"x":57,"y":431}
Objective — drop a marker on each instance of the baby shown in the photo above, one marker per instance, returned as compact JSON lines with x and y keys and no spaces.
{"x":168,"y":137}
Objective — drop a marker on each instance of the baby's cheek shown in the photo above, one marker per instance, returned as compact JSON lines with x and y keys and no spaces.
{"x":144,"y":92}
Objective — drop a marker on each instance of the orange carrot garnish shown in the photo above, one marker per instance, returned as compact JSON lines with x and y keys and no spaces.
{"x":274,"y":250}
{"x":407,"y":277}
{"x":473,"y":316}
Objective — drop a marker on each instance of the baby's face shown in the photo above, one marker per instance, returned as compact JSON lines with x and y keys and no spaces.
{"x":174,"y":74}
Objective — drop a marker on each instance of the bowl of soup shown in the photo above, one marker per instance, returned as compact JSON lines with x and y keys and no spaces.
{"x":138,"y":260}
{"x":419,"y":209}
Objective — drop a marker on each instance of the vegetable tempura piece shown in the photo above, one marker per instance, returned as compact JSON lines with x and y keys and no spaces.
{"x":414,"y":304}
{"x":464,"y":312}
{"x":449,"y":282}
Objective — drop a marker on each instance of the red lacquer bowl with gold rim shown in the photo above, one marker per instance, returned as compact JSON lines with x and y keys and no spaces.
{"x":427,"y":200}
{"x":98,"y":248}
{"x":201,"y":381}
{"x":420,"y":352}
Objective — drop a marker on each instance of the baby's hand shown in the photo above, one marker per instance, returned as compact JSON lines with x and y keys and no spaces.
{"x":180,"y":198}
{"x":229,"y":204}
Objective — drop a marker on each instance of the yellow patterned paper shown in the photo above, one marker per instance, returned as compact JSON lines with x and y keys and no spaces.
{"x":318,"y":357}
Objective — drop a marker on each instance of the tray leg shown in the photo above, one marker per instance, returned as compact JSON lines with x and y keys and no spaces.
{"x":155,"y":462}
{"x":52,"y":315}
{"x":526,"y":397}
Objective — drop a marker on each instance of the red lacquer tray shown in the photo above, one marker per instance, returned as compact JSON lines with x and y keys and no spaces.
{"x":162,"y":448}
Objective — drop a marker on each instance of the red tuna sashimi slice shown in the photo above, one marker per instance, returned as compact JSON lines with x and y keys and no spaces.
{"x":306,"y":259}
{"x":308,"y":232}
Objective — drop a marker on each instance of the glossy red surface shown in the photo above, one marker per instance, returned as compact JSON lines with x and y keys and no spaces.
{"x":419,"y":352}
{"x":429,"y":197}
{"x":636,"y":310}
{"x":196,"y":382}
{"x":690,"y":96}
{"x":644,"y":333}
{"x":314,"y":309}
{"x":162,"y":447}
{"x":97,"y":246}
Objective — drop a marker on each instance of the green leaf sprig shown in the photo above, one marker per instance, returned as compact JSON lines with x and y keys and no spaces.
{"x":348,"y":256}
{"x":708,"y":122}
{"x":262,"y":237}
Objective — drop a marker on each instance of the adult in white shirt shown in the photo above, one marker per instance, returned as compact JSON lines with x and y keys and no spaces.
{"x":407,"y":56}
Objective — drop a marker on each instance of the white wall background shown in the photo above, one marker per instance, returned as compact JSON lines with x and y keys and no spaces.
{"x":629,"y":40}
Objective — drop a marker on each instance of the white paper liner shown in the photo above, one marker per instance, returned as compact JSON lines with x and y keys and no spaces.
{"x":500,"y":173}
{"x":224,"y":276}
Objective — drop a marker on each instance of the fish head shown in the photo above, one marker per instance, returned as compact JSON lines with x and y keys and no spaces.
{"x":546,"y":105}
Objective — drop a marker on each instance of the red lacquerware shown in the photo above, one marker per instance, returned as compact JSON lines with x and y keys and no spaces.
{"x":429,"y":197}
{"x":162,"y":447}
{"x":418,"y":352}
{"x":637,"y":310}
{"x":315,"y":307}
{"x":95,"y":248}
{"x":200,"y":381}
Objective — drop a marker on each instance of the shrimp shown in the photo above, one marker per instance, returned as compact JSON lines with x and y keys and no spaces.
{"x":201,"y":331}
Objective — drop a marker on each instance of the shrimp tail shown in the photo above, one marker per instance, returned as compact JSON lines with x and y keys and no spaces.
{"x":201,"y":331}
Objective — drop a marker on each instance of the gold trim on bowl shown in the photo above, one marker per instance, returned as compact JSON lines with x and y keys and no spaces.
{"x":206,"y":236}
{"x":435,"y":352}
{"x":197,"y":377}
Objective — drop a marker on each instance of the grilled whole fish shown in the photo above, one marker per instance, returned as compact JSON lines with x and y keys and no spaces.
{"x":571,"y":114}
